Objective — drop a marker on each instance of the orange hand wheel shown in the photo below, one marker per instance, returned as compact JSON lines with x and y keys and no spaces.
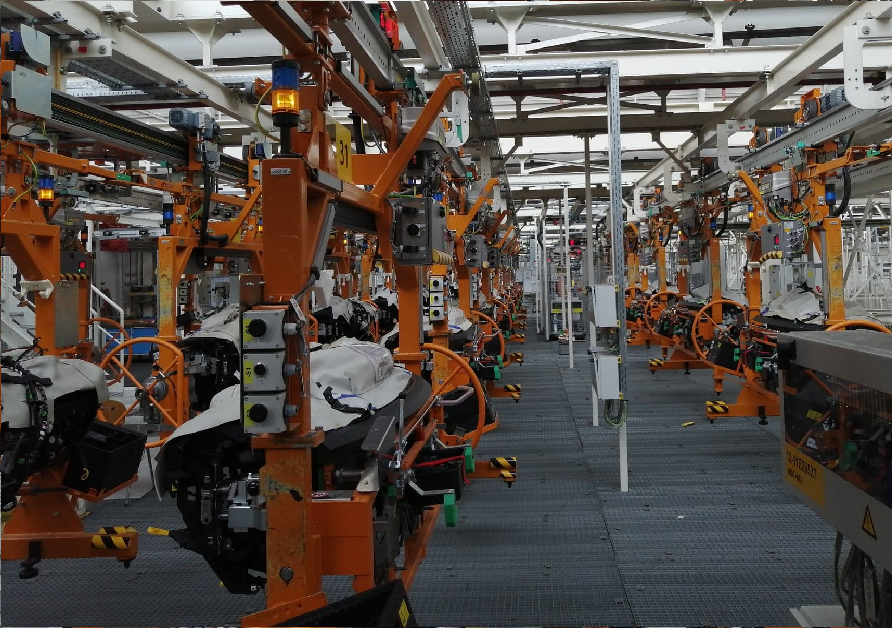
{"x":704,"y":317}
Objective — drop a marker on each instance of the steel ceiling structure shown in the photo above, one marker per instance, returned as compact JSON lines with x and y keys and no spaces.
{"x":682,"y":66}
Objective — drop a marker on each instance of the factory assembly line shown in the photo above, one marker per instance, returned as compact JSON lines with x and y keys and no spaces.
{"x":405,"y":313}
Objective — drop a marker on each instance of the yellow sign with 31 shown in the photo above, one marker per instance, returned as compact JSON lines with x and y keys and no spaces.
{"x":344,"y":153}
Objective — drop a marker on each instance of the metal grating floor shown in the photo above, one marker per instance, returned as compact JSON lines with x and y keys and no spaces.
{"x":707,"y":534}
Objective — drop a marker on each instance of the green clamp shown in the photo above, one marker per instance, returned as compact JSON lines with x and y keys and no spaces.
{"x":758,"y":365}
{"x":496,"y":371}
{"x":450,"y":510}
{"x":737,"y":354}
{"x":469,"y":459}
{"x":499,"y":360}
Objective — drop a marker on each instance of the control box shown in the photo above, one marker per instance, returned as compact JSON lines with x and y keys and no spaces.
{"x":76,"y":263}
{"x":604,"y":306}
{"x":605,"y":374}
{"x":476,"y":251}
{"x":419,"y":230}
{"x":494,"y":257}
{"x":264,"y":370}
{"x":688,"y":252}
{"x":787,"y":236}
{"x":437,"y":298}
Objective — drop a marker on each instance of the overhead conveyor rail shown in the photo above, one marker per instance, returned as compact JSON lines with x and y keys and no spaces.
{"x":846,"y":119}
{"x":78,"y":116}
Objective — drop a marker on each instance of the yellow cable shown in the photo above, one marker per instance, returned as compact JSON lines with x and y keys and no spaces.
{"x":33,"y":179}
{"x":257,"y":116}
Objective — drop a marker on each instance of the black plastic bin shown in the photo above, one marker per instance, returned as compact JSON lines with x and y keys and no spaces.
{"x":383,"y":606}
{"x":106,"y":457}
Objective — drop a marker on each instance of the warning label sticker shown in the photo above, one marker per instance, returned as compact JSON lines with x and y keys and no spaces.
{"x":867,"y":524}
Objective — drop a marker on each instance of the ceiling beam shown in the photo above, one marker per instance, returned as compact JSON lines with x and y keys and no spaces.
{"x":416,"y":19}
{"x":779,"y":82}
{"x":682,"y":121}
{"x":626,"y":31}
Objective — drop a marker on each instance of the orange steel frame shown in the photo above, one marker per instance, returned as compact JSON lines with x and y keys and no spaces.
{"x":312,"y":537}
{"x":45,"y":523}
{"x":754,"y":399}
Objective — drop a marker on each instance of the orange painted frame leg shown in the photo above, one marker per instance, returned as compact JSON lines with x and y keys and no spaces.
{"x":46,"y":520}
{"x":753,"y":400}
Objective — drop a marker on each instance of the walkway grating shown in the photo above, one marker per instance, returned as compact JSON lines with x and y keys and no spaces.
{"x":707,"y":534}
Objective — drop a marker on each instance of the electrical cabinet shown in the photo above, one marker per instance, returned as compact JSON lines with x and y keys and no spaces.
{"x":837,"y":425}
{"x":475,"y":251}
{"x":419,"y":230}
{"x":604,"y":306}
{"x":787,"y":236}
{"x":605,"y":374}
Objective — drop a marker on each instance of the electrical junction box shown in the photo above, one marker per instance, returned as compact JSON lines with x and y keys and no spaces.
{"x":264,"y":413}
{"x":419,"y":230}
{"x":604,"y":306}
{"x":493,"y":257}
{"x":263,"y":372}
{"x":263,"y":330}
{"x":682,"y":253}
{"x":436,"y":298}
{"x":787,"y":236}
{"x":475,"y":251}
{"x":76,"y":263}
{"x":605,"y":374}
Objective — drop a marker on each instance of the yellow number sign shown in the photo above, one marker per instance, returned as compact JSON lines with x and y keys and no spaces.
{"x":344,"y":156}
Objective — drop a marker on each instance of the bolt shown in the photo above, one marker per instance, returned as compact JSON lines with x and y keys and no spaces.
{"x":865,"y":29}
{"x":286,"y":574}
{"x":103,"y":49}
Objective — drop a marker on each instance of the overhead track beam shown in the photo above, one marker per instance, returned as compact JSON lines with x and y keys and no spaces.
{"x":415,"y":17}
{"x":779,"y":81}
{"x":136,"y":53}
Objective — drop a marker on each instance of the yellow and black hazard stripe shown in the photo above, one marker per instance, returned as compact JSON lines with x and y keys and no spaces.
{"x":509,"y":477}
{"x":110,"y":537}
{"x":717,"y":407}
{"x":657,"y":363}
{"x":515,"y":396}
{"x":512,"y":388}
{"x":74,"y":276}
{"x":501,"y":462}
{"x":517,"y":357}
